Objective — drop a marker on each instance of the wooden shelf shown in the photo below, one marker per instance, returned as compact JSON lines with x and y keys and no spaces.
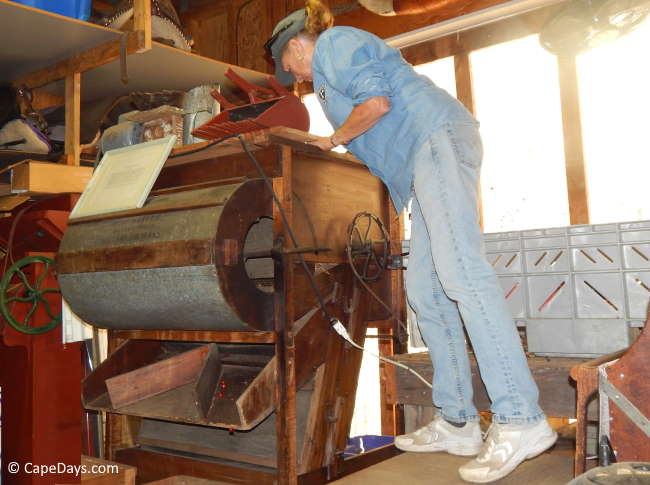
{"x":162,"y":67}
{"x":33,"y":40}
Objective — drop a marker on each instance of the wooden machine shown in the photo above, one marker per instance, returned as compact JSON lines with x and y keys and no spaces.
{"x":222,"y":364}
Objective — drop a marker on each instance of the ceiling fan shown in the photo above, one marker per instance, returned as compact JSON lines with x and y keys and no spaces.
{"x":585,"y":24}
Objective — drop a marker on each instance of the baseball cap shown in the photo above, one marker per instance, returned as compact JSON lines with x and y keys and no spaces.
{"x":286,"y":29}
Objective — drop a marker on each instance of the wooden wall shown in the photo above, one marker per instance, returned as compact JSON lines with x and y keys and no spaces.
{"x":234,"y":31}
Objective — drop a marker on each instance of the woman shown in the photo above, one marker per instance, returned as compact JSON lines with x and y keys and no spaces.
{"x":425,"y":147}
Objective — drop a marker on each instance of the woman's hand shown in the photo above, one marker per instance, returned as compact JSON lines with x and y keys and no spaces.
{"x":322,"y":142}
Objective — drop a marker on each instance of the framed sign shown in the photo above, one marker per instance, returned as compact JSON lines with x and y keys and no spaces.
{"x":123,"y":178}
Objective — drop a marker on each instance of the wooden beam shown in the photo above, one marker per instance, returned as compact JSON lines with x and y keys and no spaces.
{"x":142,"y":22}
{"x":90,"y":59}
{"x":285,"y":389}
{"x":573,"y":148}
{"x":465,"y":94}
{"x":42,"y":100}
{"x":72,"y":118}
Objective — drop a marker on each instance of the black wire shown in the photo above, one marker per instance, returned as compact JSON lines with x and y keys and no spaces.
{"x":200,"y":149}
{"x":292,"y":236}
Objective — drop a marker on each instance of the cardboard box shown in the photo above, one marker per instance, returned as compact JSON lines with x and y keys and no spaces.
{"x":49,"y":178}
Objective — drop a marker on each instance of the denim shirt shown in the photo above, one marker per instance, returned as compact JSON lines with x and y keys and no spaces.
{"x":349,"y":67}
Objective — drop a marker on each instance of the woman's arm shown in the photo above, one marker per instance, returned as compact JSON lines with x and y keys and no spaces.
{"x":361,"y":119}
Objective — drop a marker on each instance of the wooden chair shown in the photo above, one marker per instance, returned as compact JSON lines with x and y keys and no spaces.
{"x":627,"y":372}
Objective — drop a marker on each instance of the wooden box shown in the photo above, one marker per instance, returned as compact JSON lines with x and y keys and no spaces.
{"x":49,"y":178}
{"x":181,"y":382}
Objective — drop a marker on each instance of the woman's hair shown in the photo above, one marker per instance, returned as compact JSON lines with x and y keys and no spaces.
{"x":319,"y":18}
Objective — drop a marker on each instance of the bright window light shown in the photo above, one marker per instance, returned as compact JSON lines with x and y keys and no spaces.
{"x":523,"y":179}
{"x":318,"y":124}
{"x":615,"y":102}
{"x":441,"y":72}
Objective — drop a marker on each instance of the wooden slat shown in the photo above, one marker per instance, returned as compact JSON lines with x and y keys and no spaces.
{"x":573,"y":147}
{"x":167,"y":254}
{"x":198,"y":336}
{"x":155,"y":466}
{"x":72,"y":118}
{"x":285,"y":391}
{"x":557,"y":394}
{"x":156,"y":378}
{"x":142,"y":22}
{"x":90,"y":59}
{"x":154,"y":209}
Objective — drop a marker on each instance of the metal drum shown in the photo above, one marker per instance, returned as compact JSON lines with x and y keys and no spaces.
{"x":177,"y":263}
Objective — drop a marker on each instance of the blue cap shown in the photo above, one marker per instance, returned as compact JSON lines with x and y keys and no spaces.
{"x":285,"y":30}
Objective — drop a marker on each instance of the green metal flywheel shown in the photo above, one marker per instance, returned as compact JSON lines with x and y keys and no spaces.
{"x":15,"y":282}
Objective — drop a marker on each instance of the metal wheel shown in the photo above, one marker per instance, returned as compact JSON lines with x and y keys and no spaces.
{"x":19,"y":295}
{"x":368,"y":246}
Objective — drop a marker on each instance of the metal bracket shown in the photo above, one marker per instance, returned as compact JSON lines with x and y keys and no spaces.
{"x":624,"y":404}
{"x":396,"y":261}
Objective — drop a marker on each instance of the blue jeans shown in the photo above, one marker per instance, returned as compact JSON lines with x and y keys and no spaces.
{"x":449,"y":282}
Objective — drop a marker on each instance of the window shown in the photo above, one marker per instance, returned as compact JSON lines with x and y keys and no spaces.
{"x":523,"y":180}
{"x":613,"y":83}
{"x":441,"y":72}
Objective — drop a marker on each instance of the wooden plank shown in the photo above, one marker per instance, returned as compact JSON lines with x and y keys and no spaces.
{"x":185,"y":480}
{"x":33,"y":39}
{"x":142,"y":22}
{"x":104,"y":472}
{"x":10,"y":202}
{"x":285,"y":390}
{"x":208,"y":378}
{"x":557,"y":394}
{"x":198,"y":336}
{"x":42,"y":100}
{"x":154,"y":466}
{"x":317,"y":184}
{"x":120,"y":430}
{"x":72,"y":118}
{"x":573,"y":147}
{"x":150,"y":210}
{"x":465,"y":94}
{"x":156,"y":378}
{"x":49,"y":178}
{"x":85,"y":61}
{"x":152,"y":255}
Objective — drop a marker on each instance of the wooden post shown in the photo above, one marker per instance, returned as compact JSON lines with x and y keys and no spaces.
{"x":285,"y":388}
{"x":573,"y":149}
{"x":465,"y":94}
{"x":142,"y":22}
{"x":72,"y":118}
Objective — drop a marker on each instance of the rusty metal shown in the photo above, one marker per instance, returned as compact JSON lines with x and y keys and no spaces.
{"x":267,"y":108}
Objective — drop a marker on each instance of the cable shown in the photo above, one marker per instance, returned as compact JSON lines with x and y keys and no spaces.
{"x":341,"y":330}
{"x":292,"y":236}
{"x":335,"y":322}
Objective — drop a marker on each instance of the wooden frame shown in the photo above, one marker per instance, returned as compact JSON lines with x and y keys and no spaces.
{"x":335,"y":369}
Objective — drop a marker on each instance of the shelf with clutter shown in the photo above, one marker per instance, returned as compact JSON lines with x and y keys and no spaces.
{"x":65,"y":81}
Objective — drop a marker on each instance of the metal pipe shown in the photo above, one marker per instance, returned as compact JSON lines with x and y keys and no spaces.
{"x":468,"y":21}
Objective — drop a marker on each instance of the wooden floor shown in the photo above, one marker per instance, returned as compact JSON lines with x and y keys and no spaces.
{"x":551,"y":468}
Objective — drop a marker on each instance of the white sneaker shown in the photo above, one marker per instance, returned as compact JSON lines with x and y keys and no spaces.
{"x":505,"y":447}
{"x":439,"y":435}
